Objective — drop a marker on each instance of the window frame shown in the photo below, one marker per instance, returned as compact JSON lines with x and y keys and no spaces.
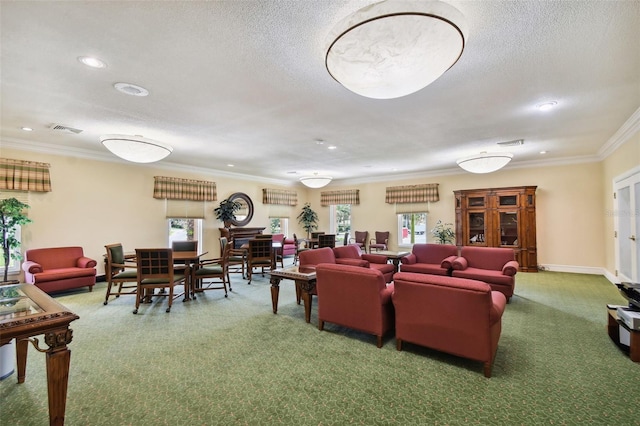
{"x":423,"y":238}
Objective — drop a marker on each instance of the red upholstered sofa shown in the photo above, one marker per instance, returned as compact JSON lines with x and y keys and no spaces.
{"x":354,"y":297}
{"x":435,"y":259}
{"x":59,"y":268}
{"x":376,"y":261}
{"x":454,"y":315}
{"x":494,"y":265}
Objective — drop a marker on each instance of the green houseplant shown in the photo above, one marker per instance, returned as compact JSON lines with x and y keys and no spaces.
{"x":11,"y":216}
{"x":443,"y":233}
{"x":226,"y":212}
{"x":308,"y":219}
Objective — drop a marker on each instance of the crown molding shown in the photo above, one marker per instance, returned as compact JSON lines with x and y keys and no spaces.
{"x":624,"y":133}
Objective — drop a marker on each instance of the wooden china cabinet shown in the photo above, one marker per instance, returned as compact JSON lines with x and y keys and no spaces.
{"x":499,"y":217}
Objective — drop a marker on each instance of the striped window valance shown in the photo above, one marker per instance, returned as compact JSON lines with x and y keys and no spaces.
{"x":19,"y":175}
{"x":412,"y":193}
{"x":184,"y":189}
{"x":283,"y":197}
{"x":347,"y":196}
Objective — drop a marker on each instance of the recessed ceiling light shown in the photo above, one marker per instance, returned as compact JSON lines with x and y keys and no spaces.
{"x":332,"y":147}
{"x":27,"y":129}
{"x":292,"y":172}
{"x":543,"y":152}
{"x":229,"y":165}
{"x":131,"y":89}
{"x":92,"y":62}
{"x":546,"y":106}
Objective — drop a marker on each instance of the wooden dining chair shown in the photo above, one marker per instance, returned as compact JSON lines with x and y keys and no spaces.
{"x":326,"y":240}
{"x":237,"y":258}
{"x":216,"y":270}
{"x":260,"y":256}
{"x":361,"y":240}
{"x":120,"y":271}
{"x":155,"y":270}
{"x":301,"y":245}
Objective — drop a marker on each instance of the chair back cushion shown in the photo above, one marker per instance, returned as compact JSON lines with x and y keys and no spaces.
{"x":382,"y":237}
{"x":317,"y":256}
{"x":433,"y":253}
{"x":350,"y":251}
{"x":492,"y":258}
{"x":361,"y":237}
{"x":115,"y":254}
{"x":184,"y":245}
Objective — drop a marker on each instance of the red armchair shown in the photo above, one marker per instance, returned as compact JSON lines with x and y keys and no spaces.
{"x":345,"y":254}
{"x":435,"y":259}
{"x":354,"y":297}
{"x":493,"y":265}
{"x":454,"y":315}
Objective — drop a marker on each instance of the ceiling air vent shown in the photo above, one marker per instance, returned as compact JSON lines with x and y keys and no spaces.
{"x":516,"y":142}
{"x":66,"y":129}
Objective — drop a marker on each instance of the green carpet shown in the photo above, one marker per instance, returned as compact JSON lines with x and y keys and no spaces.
{"x":232,"y":361}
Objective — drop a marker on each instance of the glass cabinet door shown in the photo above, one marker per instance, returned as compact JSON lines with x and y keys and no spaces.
{"x":509,"y":228}
{"x":476,"y":228}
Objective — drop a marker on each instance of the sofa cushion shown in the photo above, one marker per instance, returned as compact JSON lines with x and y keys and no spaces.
{"x":487,"y":275}
{"x":62,"y":274}
{"x":424,"y":268}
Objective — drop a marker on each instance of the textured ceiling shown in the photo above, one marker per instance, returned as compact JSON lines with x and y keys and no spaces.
{"x":244,"y":83}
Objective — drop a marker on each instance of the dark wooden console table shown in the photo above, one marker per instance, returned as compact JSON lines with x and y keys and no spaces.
{"x":240,"y":235}
{"x":613,"y":328}
{"x":25,"y":312}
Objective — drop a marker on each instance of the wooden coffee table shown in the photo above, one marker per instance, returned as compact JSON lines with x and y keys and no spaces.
{"x":305,"y":279}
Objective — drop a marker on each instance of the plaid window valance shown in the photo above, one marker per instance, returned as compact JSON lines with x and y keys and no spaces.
{"x":347,"y":196}
{"x":283,"y":197}
{"x":184,"y":189}
{"x":412,"y":193}
{"x":22,"y":175}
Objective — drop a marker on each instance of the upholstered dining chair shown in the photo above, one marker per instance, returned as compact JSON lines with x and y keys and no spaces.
{"x":326,"y":240}
{"x":300,"y":247}
{"x":184,"y":245}
{"x":120,"y":271}
{"x":216,"y":269}
{"x":361,"y":240}
{"x":278,"y":253}
{"x":237,"y":258}
{"x":380,"y":242}
{"x":260,"y":256}
{"x":155,"y":270}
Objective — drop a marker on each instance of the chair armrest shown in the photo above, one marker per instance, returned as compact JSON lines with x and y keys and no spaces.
{"x":498,"y":303}
{"x":510,"y":268}
{"x":386,"y":294}
{"x":205,"y":262}
{"x":353,"y":262}
{"x":374,"y":258}
{"x":459,"y":264}
{"x":32,"y":267}
{"x":352,"y":240}
{"x":447,"y":263}
{"x":85,"y":262}
{"x":409,"y":259}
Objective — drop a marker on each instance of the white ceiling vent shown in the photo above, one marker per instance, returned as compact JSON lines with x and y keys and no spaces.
{"x":66,"y":129}
{"x":516,"y":142}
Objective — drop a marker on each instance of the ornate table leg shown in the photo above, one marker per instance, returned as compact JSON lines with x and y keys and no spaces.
{"x":275,"y":292}
{"x":58,"y":360}
{"x":21,"y":358}
{"x":307,"y":287}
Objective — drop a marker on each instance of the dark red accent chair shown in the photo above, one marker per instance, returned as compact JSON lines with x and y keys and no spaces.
{"x":375,"y":261}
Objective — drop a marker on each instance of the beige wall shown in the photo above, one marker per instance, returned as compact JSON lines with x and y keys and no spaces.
{"x":94,"y":203}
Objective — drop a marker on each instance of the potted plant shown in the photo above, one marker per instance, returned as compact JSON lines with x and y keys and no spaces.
{"x":226,"y":212}
{"x":443,"y":233}
{"x":308,"y":219}
{"x":11,"y":216}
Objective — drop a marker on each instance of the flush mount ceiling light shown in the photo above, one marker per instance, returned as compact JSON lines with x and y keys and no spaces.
{"x":316,"y":181}
{"x":92,"y":62}
{"x":485,"y":162}
{"x":136,"y":148}
{"x":131,"y":89}
{"x":547,"y":106}
{"x":392,"y":49}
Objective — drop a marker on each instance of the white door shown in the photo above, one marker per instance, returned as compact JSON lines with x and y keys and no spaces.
{"x":627,"y":225}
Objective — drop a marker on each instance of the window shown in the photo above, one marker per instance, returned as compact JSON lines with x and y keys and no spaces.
{"x":14,"y":265}
{"x":340,"y":220}
{"x":412,"y":228}
{"x":185,"y":230}
{"x":279,"y":225}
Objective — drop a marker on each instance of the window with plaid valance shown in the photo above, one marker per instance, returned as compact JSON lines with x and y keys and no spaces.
{"x":347,"y":196}
{"x":412,"y":194}
{"x":283,"y":197}
{"x":19,"y":175}
{"x":184,"y":189}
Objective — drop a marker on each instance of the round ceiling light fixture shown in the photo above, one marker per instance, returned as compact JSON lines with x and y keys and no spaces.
{"x":136,"y":148}
{"x":131,"y":89}
{"x":316,"y":181}
{"x":392,"y":49}
{"x":92,"y":62}
{"x":485,"y":162}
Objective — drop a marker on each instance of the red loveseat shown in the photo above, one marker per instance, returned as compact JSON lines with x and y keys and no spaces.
{"x":435,"y":259}
{"x":494,"y":265}
{"x":59,"y":268}
{"x":376,"y":261}
{"x":354,"y":297}
{"x":454,"y":315}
